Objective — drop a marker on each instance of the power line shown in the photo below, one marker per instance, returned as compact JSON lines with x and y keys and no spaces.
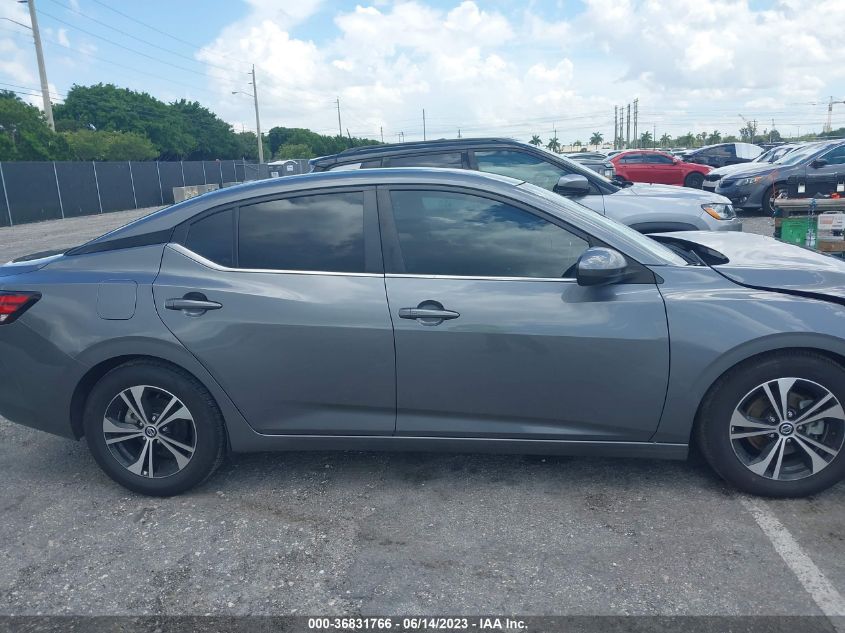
{"x":127,"y":48}
{"x":134,"y":37}
{"x":153,"y":28}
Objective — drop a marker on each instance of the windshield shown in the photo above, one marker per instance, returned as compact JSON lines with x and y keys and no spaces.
{"x":793,"y":158}
{"x":584,"y":171}
{"x":624,"y":232}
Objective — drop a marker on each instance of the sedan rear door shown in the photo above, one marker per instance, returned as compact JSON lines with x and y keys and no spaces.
{"x":282,"y":299}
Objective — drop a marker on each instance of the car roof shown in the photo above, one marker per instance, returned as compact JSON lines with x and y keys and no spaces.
{"x":169,"y":217}
{"x":372,"y":152}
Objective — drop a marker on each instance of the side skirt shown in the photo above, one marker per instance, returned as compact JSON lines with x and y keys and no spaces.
{"x":258,"y":443}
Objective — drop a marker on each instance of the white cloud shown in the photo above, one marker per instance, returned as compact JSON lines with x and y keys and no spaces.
{"x":475,"y":68}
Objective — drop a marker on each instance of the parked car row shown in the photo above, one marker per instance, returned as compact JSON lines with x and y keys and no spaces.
{"x":756,"y":185}
{"x":648,"y":208}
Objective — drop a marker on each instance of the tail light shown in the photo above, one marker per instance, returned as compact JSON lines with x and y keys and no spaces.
{"x":13,"y":304}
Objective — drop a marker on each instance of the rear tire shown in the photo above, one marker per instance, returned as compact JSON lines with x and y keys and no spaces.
{"x":694,"y":180}
{"x":154,"y":428}
{"x":759,"y":445}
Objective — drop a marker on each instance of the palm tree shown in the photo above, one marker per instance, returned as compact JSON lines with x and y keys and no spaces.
{"x":645,"y":139}
{"x":577,"y":144}
{"x":536,"y":141}
{"x":665,"y":140}
{"x":596,"y":139}
{"x":714,"y":138}
{"x":553,"y":145}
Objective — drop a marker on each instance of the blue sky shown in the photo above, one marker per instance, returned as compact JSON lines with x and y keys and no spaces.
{"x":502,"y":67}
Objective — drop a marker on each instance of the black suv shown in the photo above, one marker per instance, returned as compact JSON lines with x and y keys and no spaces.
{"x":646,"y":208}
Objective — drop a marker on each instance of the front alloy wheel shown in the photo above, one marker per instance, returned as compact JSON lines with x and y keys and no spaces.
{"x":787,"y":429}
{"x":774,"y":425}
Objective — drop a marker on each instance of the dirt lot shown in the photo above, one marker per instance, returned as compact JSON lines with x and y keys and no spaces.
{"x":317,"y":533}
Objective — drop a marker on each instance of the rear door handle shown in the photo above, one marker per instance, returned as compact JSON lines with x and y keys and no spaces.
{"x":192,"y":306}
{"x":427,"y":313}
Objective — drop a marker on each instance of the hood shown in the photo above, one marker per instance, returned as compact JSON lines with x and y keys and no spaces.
{"x":749,"y":169}
{"x":730,"y":170}
{"x":763,"y":262}
{"x":671,"y":191}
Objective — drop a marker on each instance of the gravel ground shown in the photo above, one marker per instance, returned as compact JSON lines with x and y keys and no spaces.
{"x":317,"y":533}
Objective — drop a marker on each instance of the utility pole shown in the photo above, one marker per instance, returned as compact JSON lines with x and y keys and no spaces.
{"x":424,"y":124}
{"x":459,"y":132}
{"x":257,"y":119}
{"x":615,"y":127}
{"x":339,"y":126}
{"x":628,"y":126}
{"x":381,"y":131}
{"x":654,"y":137}
{"x":636,"y":135}
{"x":42,"y":70}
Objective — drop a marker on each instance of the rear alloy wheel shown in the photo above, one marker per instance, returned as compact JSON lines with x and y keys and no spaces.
{"x":154,"y":428}
{"x":777,"y":427}
{"x":694,"y":180}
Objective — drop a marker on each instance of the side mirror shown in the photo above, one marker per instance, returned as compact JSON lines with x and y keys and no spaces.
{"x":819,"y":162}
{"x":677,"y":161}
{"x":600,"y":266}
{"x":573,"y":185}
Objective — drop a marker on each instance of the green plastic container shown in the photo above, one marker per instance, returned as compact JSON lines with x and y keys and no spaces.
{"x":794,"y":230}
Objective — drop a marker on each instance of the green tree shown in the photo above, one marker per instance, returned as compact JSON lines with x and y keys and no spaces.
{"x":665,"y":140}
{"x":24,"y":133}
{"x":553,"y":145}
{"x":286,"y":152}
{"x":748,"y":132}
{"x":97,"y":145}
{"x":730,"y":138}
{"x":646,"y":140}
{"x":247,"y":146}
{"x":686,"y":140}
{"x":577,"y":144}
{"x":596,"y":139}
{"x":318,"y":144}
{"x":714,"y":137}
{"x":109,"y":108}
{"x":536,"y":140}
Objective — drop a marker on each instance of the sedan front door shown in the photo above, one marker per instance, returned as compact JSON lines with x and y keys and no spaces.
{"x":494,"y":337}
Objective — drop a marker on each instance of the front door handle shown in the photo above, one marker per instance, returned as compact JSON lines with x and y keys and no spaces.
{"x":192,"y":304}
{"x":427,"y":313}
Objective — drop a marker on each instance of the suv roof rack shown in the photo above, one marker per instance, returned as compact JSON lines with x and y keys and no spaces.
{"x":371,"y":149}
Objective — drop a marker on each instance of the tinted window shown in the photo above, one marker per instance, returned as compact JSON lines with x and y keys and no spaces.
{"x":521,"y":166}
{"x":213,"y":238}
{"x":632,"y":159}
{"x":836,"y":156}
{"x":443,"y":233}
{"x":322,"y":232}
{"x":452,"y":160}
{"x":659,"y":159}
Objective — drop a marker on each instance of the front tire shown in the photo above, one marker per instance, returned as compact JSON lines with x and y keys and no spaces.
{"x":769,"y":196}
{"x":694,"y":180}
{"x":154,"y":428}
{"x":775,"y":425}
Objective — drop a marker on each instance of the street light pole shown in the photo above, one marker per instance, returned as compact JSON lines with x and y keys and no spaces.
{"x":257,"y":119}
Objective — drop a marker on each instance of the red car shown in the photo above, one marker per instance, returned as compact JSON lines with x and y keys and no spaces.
{"x":641,"y":165}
